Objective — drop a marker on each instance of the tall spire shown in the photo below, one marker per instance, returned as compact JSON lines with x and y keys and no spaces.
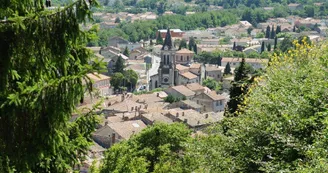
{"x":168,"y":40}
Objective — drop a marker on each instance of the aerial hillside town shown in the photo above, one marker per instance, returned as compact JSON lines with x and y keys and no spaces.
{"x":101,"y":86}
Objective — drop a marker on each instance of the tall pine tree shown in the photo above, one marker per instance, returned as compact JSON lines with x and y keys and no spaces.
{"x":269,"y":47}
{"x":239,"y":87}
{"x":227,"y":69}
{"x":119,"y":65}
{"x":273,"y":33}
{"x":195,"y":48}
{"x":43,"y":69}
{"x":262,"y":47}
{"x":126,"y":51}
{"x":267,"y":33}
{"x":159,"y":39}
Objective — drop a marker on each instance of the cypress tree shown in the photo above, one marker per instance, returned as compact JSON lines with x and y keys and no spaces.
{"x":220,"y":61}
{"x":278,"y":30}
{"x":126,"y":51}
{"x":273,"y":33}
{"x":191,"y":43}
{"x":262,"y":47}
{"x":195,"y":48}
{"x":275,"y":43}
{"x":267,"y":33}
{"x":269,"y":47}
{"x":227,"y":69}
{"x":119,"y":65}
{"x":159,"y":39}
{"x":234,"y":46}
{"x":43,"y":69}
{"x":294,"y":28}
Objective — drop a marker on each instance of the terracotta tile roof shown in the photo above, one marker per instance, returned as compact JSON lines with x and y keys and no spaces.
{"x":195,"y":65}
{"x":185,"y":51}
{"x":97,"y":77}
{"x":183,"y":90}
{"x":157,"y":117}
{"x":181,"y":67}
{"x":127,"y":128}
{"x":189,"y":75}
{"x":215,"y":96}
{"x":248,"y":60}
{"x":195,"y":86}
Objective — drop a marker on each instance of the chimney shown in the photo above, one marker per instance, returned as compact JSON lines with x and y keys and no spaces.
{"x":182,"y":113}
{"x":177,"y":114}
{"x":185,"y":120}
{"x":206,"y":115}
{"x":106,"y":123}
{"x":113,"y":138}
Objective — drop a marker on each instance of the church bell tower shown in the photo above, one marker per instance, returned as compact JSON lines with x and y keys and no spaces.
{"x":166,"y":69}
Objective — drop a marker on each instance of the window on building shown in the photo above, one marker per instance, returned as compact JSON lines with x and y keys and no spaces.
{"x":164,"y":59}
{"x":221,"y":102}
{"x":168,"y":60}
{"x":181,"y":58}
{"x":217,"y":103}
{"x":187,"y":58}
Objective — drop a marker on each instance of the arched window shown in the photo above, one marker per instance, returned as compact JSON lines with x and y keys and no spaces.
{"x":168,"y":60}
{"x":155,"y":84}
{"x":164,"y":59}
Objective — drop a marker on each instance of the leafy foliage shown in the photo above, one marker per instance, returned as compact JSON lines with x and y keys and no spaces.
{"x":155,"y":149}
{"x":42,"y":66}
{"x":171,"y":99}
{"x":212,"y":84}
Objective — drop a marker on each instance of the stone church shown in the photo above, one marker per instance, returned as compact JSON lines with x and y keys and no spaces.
{"x":176,"y":67}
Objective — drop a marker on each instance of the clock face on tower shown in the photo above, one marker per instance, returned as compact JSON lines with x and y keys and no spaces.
{"x":166,"y":48}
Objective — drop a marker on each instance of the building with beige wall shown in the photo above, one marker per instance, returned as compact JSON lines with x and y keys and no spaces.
{"x":184,"y":56}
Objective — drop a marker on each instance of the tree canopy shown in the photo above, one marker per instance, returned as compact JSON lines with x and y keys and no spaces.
{"x":43,"y":66}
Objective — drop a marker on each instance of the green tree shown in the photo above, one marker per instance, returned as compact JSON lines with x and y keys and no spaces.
{"x":278,"y":30}
{"x":150,"y":150}
{"x":286,"y":44}
{"x":219,"y":60}
{"x":119,"y":65}
{"x":43,"y":63}
{"x":191,"y":43}
{"x":183,"y":44}
{"x":117,"y":80}
{"x":227,"y":69}
{"x":195,"y":48}
{"x":275,"y":113}
{"x":262,"y":47}
{"x":212,"y":84}
{"x":267,"y":33}
{"x":234,"y":46}
{"x":132,"y":78}
{"x":239,"y":87}
{"x":159,"y":39}
{"x":269,"y":47}
{"x":273,"y":33}
{"x":126,"y":51}
{"x":117,"y":20}
{"x":275,"y":43}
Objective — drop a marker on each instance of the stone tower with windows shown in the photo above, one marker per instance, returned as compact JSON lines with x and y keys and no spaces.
{"x":167,"y":74}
